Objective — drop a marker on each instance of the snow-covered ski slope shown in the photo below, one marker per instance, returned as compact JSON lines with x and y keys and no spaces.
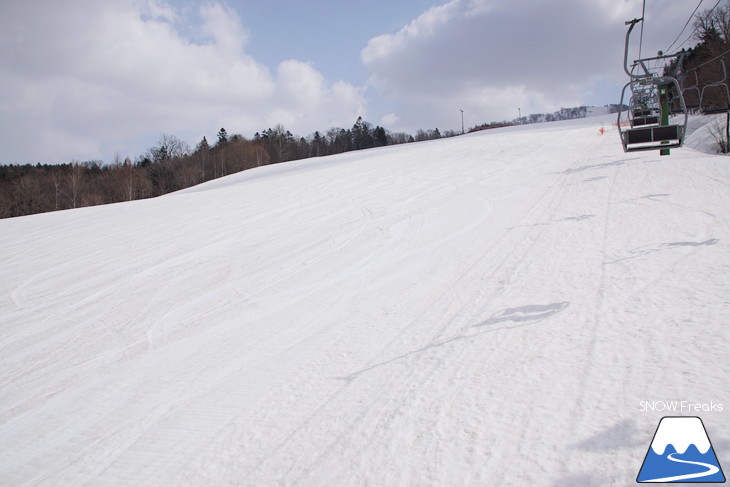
{"x":485,"y":310}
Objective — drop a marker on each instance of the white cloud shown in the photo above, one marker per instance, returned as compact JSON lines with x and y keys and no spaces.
{"x":389,"y":120}
{"x":490,"y":57}
{"x":222,"y":24}
{"x":84,"y":79}
{"x":303,"y":95}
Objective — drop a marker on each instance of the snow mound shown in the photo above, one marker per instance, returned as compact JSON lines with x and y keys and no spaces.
{"x":700,"y":132}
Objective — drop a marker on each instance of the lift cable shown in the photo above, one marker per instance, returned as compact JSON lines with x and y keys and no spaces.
{"x":694,"y":31}
{"x":685,"y":25}
{"x":708,"y":62}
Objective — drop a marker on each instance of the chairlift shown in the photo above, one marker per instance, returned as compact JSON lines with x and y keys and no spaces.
{"x":647,"y":132}
{"x":724,"y":105}
{"x":644,"y":104}
{"x":675,"y":107}
{"x":643,"y":110}
{"x":691,"y":89}
{"x":643,"y":114}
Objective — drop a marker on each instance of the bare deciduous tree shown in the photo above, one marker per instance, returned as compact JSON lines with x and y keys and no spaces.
{"x":75,"y":180}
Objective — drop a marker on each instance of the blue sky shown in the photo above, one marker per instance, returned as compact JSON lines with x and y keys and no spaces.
{"x":327,"y":33}
{"x":83,"y":79}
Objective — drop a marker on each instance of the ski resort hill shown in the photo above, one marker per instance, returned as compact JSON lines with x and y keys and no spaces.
{"x":489,"y":309}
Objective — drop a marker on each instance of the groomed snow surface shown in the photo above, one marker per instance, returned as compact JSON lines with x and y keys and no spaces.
{"x":485,"y":310}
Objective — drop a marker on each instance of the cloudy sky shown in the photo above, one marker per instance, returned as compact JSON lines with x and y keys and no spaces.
{"x":88,"y":79}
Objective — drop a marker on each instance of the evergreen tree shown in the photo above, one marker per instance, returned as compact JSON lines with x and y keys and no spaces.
{"x":222,"y":136}
{"x":362,"y":137}
{"x":380,"y":136}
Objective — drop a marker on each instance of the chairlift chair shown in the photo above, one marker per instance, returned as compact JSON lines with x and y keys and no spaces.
{"x":644,"y":103}
{"x":646,"y":133}
{"x":642,"y":115}
{"x":675,"y":107}
{"x":643,"y":111}
{"x":691,"y":89}
{"x":712,"y":108}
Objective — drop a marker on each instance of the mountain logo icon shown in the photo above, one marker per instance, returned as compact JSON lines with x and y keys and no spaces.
{"x":681,"y":452}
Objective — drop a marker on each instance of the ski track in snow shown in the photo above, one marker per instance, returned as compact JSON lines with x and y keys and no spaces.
{"x":482,"y":310}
